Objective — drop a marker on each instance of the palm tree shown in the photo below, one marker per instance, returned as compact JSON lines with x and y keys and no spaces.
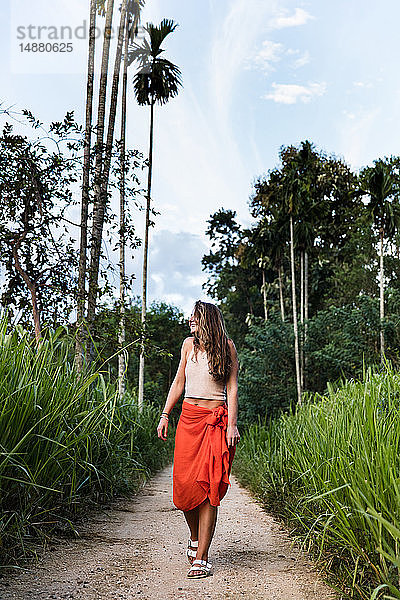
{"x":380,"y":185}
{"x":85,"y":189}
{"x":158,"y":80}
{"x":113,"y":105}
{"x":291,"y":196}
{"x":312,"y":199}
{"x":304,"y":241}
{"x":132,"y":20}
{"x":263,"y":262}
{"x":98,"y":208}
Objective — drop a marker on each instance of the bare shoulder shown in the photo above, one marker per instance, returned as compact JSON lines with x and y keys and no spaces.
{"x":232,"y":348}
{"x":231,"y":344}
{"x":187,"y":344}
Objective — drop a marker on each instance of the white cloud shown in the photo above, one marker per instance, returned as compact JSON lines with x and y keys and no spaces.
{"x":234,"y":37}
{"x":283,"y":19}
{"x":175,"y":270}
{"x":196,"y":280}
{"x":292,"y":93}
{"x":194,"y":165}
{"x":176,"y":300}
{"x":362,"y":84}
{"x":232,"y":44}
{"x":304,"y":59}
{"x":271,"y":52}
{"x":348,"y":114}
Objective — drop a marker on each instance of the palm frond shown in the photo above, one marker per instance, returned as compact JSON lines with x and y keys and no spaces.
{"x":133,"y":10}
{"x":380,"y":185}
{"x":160,"y":85}
{"x":140,"y":53}
{"x":158,"y":33}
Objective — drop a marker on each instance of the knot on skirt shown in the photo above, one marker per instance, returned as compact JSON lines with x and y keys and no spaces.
{"x":217,"y":417}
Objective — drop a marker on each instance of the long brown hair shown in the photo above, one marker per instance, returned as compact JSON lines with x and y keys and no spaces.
{"x":212,"y":332}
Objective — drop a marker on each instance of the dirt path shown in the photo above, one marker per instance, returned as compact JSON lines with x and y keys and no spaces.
{"x":137,"y":550}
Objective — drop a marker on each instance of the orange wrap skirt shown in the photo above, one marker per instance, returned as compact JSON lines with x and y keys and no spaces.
{"x":202,"y":459}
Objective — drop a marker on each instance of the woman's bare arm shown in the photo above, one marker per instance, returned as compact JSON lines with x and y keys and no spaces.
{"x":178,"y":384}
{"x":176,"y":389}
{"x":232,"y":434}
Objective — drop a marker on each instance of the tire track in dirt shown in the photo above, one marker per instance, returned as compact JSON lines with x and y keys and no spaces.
{"x":137,"y":548}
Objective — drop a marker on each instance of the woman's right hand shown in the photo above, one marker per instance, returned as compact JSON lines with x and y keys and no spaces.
{"x":162,"y":428}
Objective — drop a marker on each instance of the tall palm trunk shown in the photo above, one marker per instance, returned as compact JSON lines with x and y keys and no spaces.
{"x":295,"y":328}
{"x":381,"y":295}
{"x":121,"y":330}
{"x":301,"y":286}
{"x":105,"y":171}
{"x":85,"y":191}
{"x":305,"y":315}
{"x":98,"y":209}
{"x":145,"y":253}
{"x":264,"y":295}
{"x":281,"y":293}
{"x":301,"y":317}
{"x":113,"y":109}
{"x":305,"y":288}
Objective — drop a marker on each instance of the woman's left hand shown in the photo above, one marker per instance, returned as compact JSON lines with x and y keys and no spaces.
{"x":232,"y":435}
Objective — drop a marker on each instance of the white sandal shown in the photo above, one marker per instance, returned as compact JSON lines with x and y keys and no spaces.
{"x":204,"y":566}
{"x":190,"y":553}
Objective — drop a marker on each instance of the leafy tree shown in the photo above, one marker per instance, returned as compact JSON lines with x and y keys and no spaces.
{"x":263,"y":249}
{"x":309,"y":195}
{"x":341,"y":343}
{"x":380,"y":185}
{"x":35,"y":190}
{"x":166,"y":328}
{"x":310,"y":217}
{"x":157,"y":81}
{"x":232,"y":280}
{"x":38,"y":185}
{"x":225,"y":235}
{"x":267,"y":382}
{"x":103,"y":156}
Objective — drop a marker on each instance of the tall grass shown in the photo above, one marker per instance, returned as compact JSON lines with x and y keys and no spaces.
{"x":332,"y":471}
{"x":66,"y":440}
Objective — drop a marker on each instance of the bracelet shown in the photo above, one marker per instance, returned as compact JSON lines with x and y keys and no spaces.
{"x":164,"y":416}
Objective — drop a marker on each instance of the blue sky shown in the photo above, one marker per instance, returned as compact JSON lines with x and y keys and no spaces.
{"x":258,"y":74}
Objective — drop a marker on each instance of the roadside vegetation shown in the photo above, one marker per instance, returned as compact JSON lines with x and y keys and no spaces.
{"x":68,"y":442}
{"x":330,"y":469}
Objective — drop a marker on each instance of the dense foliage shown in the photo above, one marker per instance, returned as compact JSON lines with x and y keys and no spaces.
{"x":330,"y":469}
{"x":39,"y":178}
{"x":165,"y":331}
{"x":340,"y":342}
{"x":67,"y":440}
{"x":310,"y":291}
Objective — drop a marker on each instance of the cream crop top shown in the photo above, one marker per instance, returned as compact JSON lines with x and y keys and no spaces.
{"x":198,"y":381}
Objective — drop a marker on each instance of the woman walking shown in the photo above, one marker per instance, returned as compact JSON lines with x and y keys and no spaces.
{"x":206,"y":434}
